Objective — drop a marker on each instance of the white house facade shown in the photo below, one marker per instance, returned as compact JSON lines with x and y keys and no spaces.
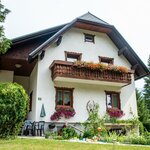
{"x":52,"y":78}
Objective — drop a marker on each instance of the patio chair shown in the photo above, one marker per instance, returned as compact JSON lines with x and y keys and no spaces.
{"x":27,"y":127}
{"x":41,"y":127}
{"x":38,"y":128}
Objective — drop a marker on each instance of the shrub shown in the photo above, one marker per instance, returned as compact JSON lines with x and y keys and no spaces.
{"x":88,"y":134}
{"x":47,"y":135}
{"x":13,"y":107}
{"x":68,"y":133}
{"x":51,"y":135}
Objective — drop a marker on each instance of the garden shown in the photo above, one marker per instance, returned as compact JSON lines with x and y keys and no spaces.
{"x":99,"y":130}
{"x":95,"y":129}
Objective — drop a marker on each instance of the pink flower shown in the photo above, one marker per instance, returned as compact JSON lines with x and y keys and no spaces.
{"x":63,"y":112}
{"x":115,"y":112}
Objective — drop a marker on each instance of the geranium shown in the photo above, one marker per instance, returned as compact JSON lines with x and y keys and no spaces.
{"x":101,"y":66}
{"x":63,"y":112}
{"x":115,"y":112}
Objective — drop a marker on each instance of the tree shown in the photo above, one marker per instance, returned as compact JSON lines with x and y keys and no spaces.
{"x":142,"y":107}
{"x":13,"y":108}
{"x":4,"y":42}
{"x":146,"y":90}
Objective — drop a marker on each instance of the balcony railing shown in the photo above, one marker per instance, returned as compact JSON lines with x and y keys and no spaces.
{"x":69,"y":70}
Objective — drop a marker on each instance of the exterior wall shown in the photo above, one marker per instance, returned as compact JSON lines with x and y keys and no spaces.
{"x":6,"y":76}
{"x":128,"y":100}
{"x":73,"y":40}
{"x":24,"y":81}
{"x":33,"y":88}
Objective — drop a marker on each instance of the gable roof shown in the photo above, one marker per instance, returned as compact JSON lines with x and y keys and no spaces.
{"x":90,"y":17}
{"x":89,"y":22}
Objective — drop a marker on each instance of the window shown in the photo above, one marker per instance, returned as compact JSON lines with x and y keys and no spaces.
{"x":72,"y":56}
{"x":89,"y":38}
{"x":64,"y":97}
{"x":112,"y":99}
{"x":30,"y":103}
{"x":106,"y":60}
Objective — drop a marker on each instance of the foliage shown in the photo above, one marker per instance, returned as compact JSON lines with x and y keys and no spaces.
{"x":115,"y":112}
{"x":128,"y":139}
{"x":93,"y":122}
{"x":142,"y":108}
{"x":146,"y":90}
{"x":63,"y":112}
{"x":101,"y":66}
{"x":143,"y":111}
{"x":13,"y":107}
{"x":51,"y":135}
{"x":88,"y":134}
{"x":68,"y":133}
{"x":4,"y":42}
{"x":134,"y":121}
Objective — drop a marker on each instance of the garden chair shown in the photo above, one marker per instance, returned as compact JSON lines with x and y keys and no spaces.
{"x":38,"y":128}
{"x":27,"y":128}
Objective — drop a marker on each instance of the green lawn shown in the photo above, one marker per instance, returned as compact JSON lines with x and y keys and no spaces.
{"x":43,"y":144}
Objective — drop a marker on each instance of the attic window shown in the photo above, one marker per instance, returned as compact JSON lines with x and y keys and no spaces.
{"x":106,"y":60}
{"x":72,"y":56}
{"x":89,"y":38}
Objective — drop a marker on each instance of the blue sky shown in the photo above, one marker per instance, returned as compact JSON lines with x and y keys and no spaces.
{"x":130,"y":17}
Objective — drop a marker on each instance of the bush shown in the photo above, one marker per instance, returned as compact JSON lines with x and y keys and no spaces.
{"x":47,"y":135}
{"x":138,"y":140}
{"x":68,"y":133}
{"x":13,"y":107}
{"x":94,"y":121}
{"x":51,"y":135}
{"x":88,"y":134}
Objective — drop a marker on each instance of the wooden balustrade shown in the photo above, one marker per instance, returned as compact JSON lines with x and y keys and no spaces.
{"x":69,"y":70}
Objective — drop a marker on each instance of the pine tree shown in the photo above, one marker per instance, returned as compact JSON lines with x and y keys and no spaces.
{"x":146,"y":91}
{"x":142,"y":107}
{"x":4,"y":42}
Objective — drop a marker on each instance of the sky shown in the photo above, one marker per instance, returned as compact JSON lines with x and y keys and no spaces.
{"x":130,"y":17}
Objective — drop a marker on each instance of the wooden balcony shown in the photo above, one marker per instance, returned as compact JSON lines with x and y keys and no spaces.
{"x":68,"y":71}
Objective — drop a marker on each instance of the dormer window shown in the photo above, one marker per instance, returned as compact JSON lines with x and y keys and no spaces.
{"x":106,"y":60}
{"x":72,"y":56}
{"x":89,"y":37}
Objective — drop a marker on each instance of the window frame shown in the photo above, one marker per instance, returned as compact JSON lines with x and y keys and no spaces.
{"x":118,"y":99}
{"x":86,"y":38}
{"x":107,"y":60}
{"x":73,"y":55}
{"x":56,"y":96}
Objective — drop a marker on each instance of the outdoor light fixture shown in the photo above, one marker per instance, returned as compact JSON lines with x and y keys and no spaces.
{"x":18,"y":65}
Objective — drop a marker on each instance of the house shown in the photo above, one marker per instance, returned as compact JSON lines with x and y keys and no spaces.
{"x":58,"y":67}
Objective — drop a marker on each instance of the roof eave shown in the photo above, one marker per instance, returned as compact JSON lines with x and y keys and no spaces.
{"x":34,"y":35}
{"x":142,"y":76}
{"x":34,"y":54}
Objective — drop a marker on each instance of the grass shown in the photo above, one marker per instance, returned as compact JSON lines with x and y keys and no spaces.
{"x":45,"y":144}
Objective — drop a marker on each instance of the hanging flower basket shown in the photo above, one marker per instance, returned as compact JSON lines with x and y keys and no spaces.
{"x":62,"y":112}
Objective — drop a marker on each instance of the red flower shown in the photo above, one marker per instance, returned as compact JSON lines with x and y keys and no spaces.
{"x":115,"y":112}
{"x":63,"y":112}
